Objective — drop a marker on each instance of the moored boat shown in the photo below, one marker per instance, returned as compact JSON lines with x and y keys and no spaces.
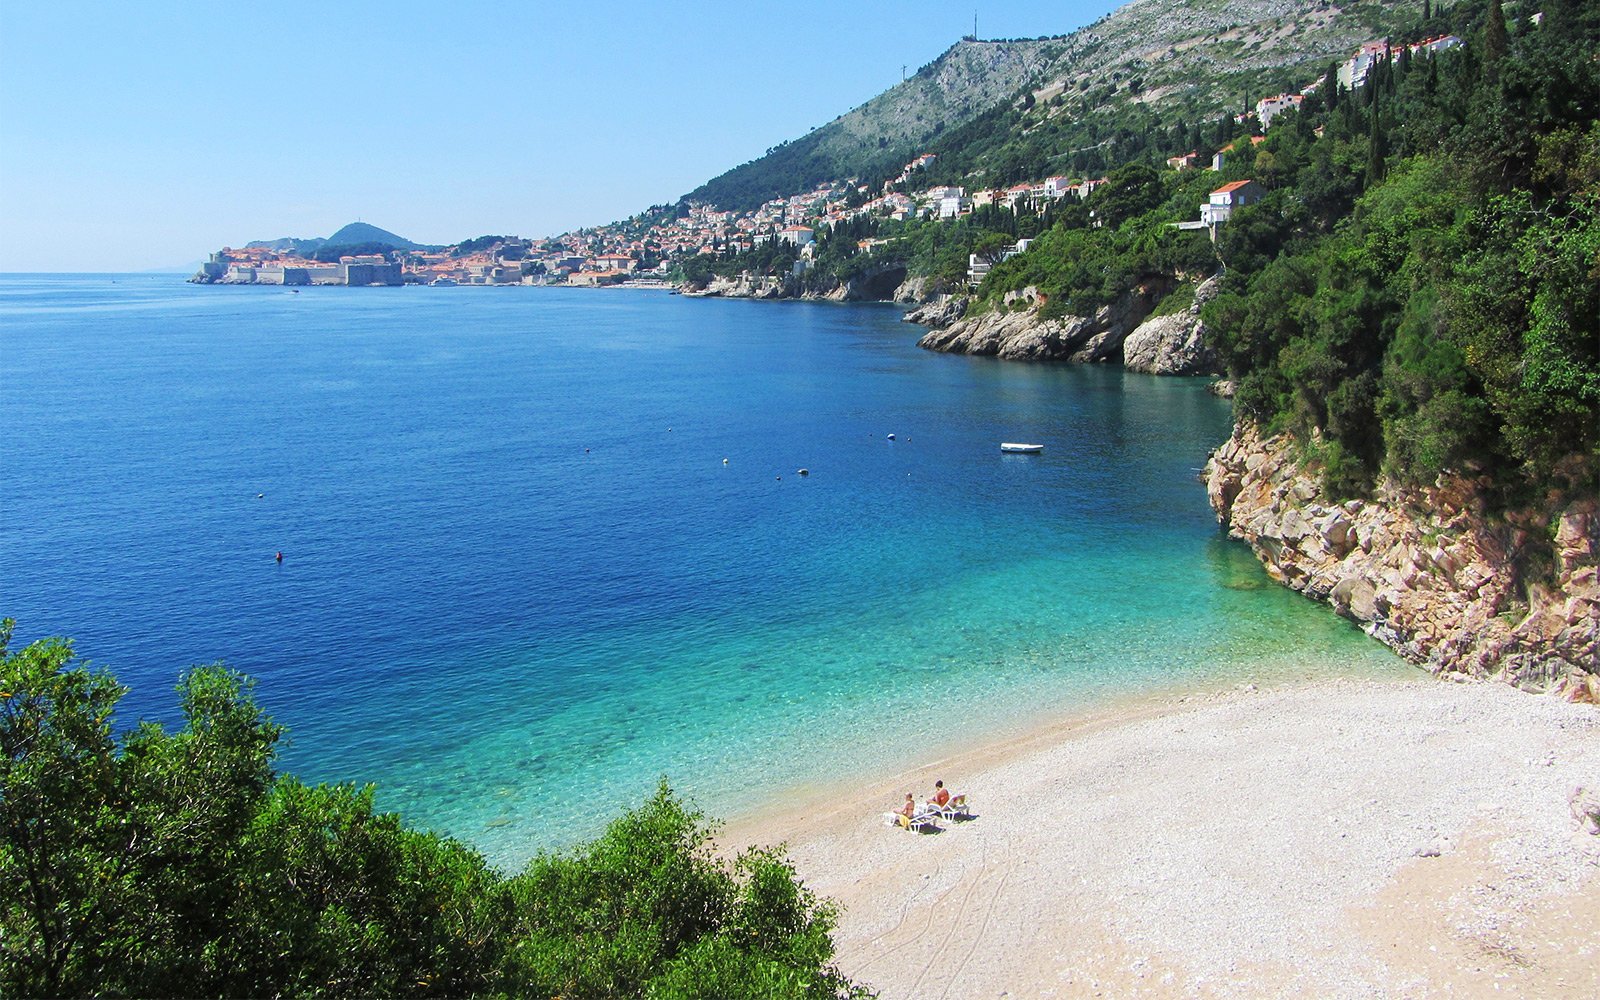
{"x":1021,"y":449}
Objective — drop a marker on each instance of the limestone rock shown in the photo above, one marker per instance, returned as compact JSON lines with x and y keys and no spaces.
{"x":1585,"y":805}
{"x":1427,"y":571}
{"x":1016,"y":332}
{"x":1175,"y":344}
{"x":940,"y":314}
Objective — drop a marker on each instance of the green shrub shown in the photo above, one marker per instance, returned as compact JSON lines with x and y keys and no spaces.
{"x":180,"y":864}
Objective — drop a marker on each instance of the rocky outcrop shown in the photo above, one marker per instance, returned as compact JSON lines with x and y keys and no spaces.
{"x":939,"y":314}
{"x":919,"y":289}
{"x":1173,"y":344}
{"x":1432,"y":572}
{"x":1016,"y":332}
{"x":745,"y":286}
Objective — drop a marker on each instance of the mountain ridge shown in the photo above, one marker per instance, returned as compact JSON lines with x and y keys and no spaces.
{"x":1194,"y":61}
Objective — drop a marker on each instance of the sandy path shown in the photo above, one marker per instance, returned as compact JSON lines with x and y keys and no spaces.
{"x":1339,"y":839}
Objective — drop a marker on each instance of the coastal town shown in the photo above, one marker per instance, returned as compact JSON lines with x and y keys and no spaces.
{"x":643,"y":252}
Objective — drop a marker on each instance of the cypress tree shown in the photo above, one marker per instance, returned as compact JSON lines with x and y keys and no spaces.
{"x":1377,"y":144}
{"x":1427,"y":11}
{"x":1494,"y":40}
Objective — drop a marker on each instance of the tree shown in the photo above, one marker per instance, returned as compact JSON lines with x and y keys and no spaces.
{"x":1494,"y":40}
{"x":123,"y":852}
{"x":180,"y":864}
{"x":1131,"y":189}
{"x":991,"y":248}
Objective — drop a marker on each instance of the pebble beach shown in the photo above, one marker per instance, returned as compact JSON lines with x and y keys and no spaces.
{"x":1340,"y":838}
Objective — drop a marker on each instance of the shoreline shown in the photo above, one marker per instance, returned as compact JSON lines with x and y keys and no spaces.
{"x":1340,"y":837}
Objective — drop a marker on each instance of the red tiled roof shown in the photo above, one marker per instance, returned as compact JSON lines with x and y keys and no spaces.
{"x":1236,"y":185}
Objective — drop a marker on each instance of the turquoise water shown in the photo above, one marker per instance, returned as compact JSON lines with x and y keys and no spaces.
{"x":520,"y":583}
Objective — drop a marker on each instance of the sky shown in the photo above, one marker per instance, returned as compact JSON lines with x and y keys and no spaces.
{"x":138,"y":136}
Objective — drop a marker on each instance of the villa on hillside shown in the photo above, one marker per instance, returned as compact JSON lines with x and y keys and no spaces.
{"x":1218,"y":208}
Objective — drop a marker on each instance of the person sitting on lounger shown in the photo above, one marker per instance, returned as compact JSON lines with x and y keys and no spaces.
{"x":910,"y":808}
{"x":941,"y":795}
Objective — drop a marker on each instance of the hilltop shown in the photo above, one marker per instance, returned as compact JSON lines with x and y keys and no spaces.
{"x":354,"y":234}
{"x":1148,"y":64}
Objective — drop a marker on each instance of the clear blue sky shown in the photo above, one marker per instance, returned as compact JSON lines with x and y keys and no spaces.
{"x":138,"y":136}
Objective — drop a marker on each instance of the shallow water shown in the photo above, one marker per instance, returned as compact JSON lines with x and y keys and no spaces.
{"x":519,"y":581}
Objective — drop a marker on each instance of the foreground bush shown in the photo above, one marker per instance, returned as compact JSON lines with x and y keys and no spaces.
{"x":182,"y":864}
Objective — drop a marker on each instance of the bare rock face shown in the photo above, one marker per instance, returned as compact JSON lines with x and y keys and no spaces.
{"x":1585,"y":805}
{"x":1018,"y":334}
{"x":923,"y":291}
{"x":1428,"y":571}
{"x":939,"y":314}
{"x":1175,"y":344}
{"x":745,"y":286}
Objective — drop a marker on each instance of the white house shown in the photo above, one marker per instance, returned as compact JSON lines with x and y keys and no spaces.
{"x":797,"y":235}
{"x":1269,"y":108}
{"x":1057,"y":187}
{"x":1219,"y":208}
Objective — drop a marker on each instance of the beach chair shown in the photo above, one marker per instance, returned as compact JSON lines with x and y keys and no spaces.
{"x":957,"y":806}
{"x":923,"y":819}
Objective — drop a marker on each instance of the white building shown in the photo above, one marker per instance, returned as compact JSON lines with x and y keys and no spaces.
{"x":1354,"y":71}
{"x":1269,"y":108}
{"x":1219,"y":208}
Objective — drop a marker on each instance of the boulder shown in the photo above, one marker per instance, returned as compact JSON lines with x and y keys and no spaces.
{"x":1018,"y":333}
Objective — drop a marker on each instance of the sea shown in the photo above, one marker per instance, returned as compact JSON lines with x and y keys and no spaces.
{"x":544,"y":548}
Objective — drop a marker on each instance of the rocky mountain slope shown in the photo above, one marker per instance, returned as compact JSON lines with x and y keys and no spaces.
{"x":1198,"y":58}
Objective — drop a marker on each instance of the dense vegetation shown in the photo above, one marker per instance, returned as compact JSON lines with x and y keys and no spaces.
{"x":1450,"y":318}
{"x":182,"y":864}
{"x":329,"y":253}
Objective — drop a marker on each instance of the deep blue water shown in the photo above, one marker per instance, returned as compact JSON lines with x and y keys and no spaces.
{"x":519,"y":581}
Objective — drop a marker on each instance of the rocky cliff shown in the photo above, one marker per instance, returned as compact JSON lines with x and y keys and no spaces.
{"x":1435,"y":573}
{"x":1016,"y":331}
{"x":1174,"y":344}
{"x":744,"y":286}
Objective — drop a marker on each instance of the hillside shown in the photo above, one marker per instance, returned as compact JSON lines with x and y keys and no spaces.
{"x":355,"y":234}
{"x":968,"y":79}
{"x":361,"y":232}
{"x":1149,"y":64}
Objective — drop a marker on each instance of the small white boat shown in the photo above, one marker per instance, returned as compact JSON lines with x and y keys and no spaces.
{"x":442,"y":282}
{"x":1021,"y":449}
